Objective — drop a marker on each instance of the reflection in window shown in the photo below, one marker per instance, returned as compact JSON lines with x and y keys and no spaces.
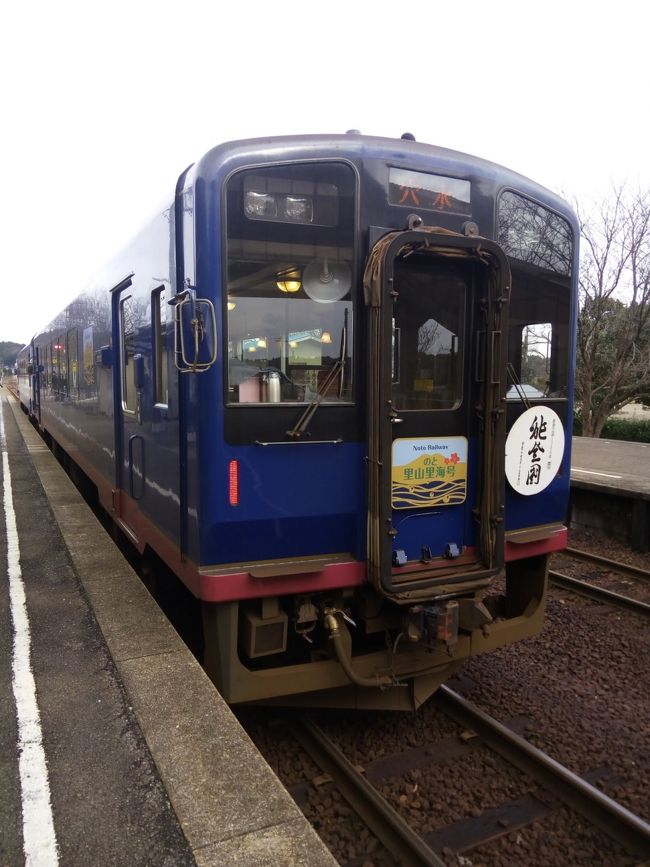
{"x":62,"y":364}
{"x":54,"y":368}
{"x":88,"y":360}
{"x":73,"y":364}
{"x":281,"y":360}
{"x":536,"y":344}
{"x":533,"y":234}
{"x":427,"y":337}
{"x":160,"y":309}
{"x":536,"y":349}
{"x":127,"y":328}
{"x":45,"y":377}
{"x":289,"y":290}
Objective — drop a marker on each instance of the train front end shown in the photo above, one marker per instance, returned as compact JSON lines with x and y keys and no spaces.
{"x":381,"y":459}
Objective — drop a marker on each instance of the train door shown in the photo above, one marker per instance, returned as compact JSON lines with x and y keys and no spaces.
{"x":436,"y":427}
{"x":128,"y":384}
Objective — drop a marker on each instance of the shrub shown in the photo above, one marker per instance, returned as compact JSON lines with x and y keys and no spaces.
{"x":632,"y":430}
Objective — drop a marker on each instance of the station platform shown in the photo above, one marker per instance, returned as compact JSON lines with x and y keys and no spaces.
{"x":144,"y":764}
{"x":610,"y":489}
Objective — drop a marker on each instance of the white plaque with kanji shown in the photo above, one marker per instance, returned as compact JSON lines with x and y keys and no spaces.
{"x":534,"y":450}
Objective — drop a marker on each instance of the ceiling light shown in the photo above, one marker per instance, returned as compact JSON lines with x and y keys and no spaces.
{"x":289,"y":285}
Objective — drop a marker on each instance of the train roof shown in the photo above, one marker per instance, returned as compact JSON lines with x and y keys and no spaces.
{"x":353,"y":144}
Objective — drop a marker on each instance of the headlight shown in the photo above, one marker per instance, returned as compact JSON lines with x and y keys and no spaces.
{"x":278,"y":207}
{"x":260,"y":206}
{"x":298,"y":209}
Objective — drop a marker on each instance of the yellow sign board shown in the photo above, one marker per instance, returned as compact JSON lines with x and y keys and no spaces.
{"x":429,"y":471}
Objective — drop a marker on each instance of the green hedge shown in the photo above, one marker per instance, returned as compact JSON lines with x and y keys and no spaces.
{"x":632,"y":430}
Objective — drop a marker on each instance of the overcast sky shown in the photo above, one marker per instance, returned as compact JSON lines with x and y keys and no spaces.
{"x":104,"y":104}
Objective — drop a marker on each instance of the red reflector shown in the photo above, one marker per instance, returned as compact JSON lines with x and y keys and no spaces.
{"x":233,"y":483}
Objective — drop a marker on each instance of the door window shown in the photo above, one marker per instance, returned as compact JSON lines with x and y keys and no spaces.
{"x":127,"y":328}
{"x":428,"y":328}
{"x":160,"y":308}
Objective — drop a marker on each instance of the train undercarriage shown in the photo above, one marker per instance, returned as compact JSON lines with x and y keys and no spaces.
{"x":353,"y":648}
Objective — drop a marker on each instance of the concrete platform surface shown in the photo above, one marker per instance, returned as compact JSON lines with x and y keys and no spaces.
{"x":621,"y":467}
{"x":146,"y":763}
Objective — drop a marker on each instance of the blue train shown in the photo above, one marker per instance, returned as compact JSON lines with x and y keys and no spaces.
{"x":329,"y":386}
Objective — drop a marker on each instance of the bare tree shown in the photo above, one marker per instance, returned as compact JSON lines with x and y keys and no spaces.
{"x":613,"y":358}
{"x":428,"y":336}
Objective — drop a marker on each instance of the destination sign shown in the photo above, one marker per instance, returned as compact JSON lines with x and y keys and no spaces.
{"x":432,"y":192}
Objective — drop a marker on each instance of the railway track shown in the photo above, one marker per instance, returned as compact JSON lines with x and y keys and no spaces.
{"x":600,"y":810}
{"x":625,"y":568}
{"x":595,"y":591}
{"x":408,"y":847}
{"x":404,"y":844}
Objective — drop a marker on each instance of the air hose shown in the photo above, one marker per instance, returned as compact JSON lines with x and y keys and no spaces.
{"x":381,"y":681}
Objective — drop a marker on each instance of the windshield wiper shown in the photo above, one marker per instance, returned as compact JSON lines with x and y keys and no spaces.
{"x":300,"y":428}
{"x":512,"y":373}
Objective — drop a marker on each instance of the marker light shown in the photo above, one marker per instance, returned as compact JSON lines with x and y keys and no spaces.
{"x":233,"y":483}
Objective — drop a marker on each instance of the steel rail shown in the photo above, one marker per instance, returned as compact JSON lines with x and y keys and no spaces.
{"x":406,"y":846}
{"x":630,"y":830}
{"x":592,"y":591}
{"x":635,"y":571}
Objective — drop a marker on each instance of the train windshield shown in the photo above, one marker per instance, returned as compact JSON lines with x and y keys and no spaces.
{"x":540,"y":246}
{"x":290,"y":237}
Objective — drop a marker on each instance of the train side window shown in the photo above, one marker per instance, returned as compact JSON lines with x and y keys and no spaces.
{"x":62,"y":358}
{"x":536,"y":350}
{"x":88,"y":361}
{"x":73,"y":364}
{"x":54,"y":369}
{"x":160,"y":315}
{"x":538,"y":347}
{"x":540,"y":244}
{"x":127,"y":331}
